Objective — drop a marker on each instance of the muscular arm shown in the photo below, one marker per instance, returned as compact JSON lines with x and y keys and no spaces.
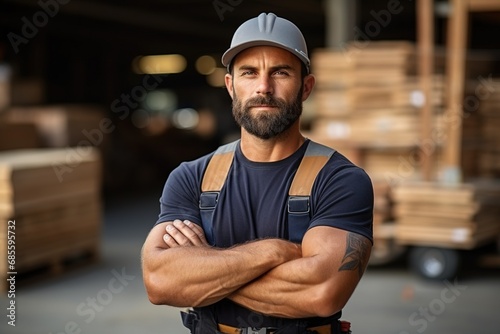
{"x":180,"y":270}
{"x":318,"y":284}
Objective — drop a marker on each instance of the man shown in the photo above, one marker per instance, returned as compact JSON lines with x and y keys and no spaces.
{"x":250,"y":278}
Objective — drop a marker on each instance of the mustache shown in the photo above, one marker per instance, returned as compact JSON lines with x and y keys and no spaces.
{"x":267,"y":100}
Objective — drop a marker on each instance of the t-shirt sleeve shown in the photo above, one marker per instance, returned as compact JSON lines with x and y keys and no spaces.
{"x":345,"y":201}
{"x":180,"y":196}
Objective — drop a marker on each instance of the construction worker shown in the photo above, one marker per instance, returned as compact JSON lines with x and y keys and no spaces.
{"x":236,"y":242}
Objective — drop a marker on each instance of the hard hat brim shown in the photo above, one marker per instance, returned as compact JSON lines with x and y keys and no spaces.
{"x":232,"y":52}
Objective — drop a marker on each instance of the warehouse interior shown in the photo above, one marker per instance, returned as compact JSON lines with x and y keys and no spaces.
{"x":85,"y":53}
{"x":101,"y":99}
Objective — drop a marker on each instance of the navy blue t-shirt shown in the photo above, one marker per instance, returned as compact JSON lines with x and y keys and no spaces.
{"x":253,"y":205}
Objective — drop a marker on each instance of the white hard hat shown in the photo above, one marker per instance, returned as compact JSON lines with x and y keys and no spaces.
{"x":270,"y":30}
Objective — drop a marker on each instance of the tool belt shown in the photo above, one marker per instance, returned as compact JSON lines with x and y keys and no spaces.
{"x":200,"y":324}
{"x":325,"y":329}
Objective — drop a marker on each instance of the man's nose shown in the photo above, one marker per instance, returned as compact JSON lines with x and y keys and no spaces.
{"x":265,"y":86}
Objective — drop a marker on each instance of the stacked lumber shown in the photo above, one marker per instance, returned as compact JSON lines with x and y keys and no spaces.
{"x":382,"y":203}
{"x":367,"y":106}
{"x":462,"y":217}
{"x":53,"y":195}
{"x":385,"y":248}
{"x":480,"y":135}
{"x":369,"y":98}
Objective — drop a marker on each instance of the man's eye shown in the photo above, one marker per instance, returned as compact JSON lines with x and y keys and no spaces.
{"x":246,"y":73}
{"x":281,"y":73}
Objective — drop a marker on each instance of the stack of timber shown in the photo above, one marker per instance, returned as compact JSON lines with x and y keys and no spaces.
{"x":461,"y":217}
{"x":367,"y":106}
{"x":480,"y":124}
{"x":368,"y":99}
{"x":53,"y":198}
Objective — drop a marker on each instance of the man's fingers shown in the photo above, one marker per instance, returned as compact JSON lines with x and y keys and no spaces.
{"x":174,"y":237}
{"x":169,"y":241}
{"x":191,"y":231}
{"x":184,"y":233}
{"x":197,"y":230}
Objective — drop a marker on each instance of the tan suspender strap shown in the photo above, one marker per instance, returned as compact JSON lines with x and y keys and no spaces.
{"x":218,"y":168}
{"x":314,"y":160}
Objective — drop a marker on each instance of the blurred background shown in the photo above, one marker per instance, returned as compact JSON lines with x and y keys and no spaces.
{"x":100,"y":100}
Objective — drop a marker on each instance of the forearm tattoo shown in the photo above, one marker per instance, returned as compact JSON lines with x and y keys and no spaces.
{"x":356,"y":253}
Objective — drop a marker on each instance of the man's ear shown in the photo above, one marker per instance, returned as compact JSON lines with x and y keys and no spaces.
{"x":229,"y":84}
{"x":309,"y":82}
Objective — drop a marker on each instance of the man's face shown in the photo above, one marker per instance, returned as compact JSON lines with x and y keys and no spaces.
{"x":267,"y":90}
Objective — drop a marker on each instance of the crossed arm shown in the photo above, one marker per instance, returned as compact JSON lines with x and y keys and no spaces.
{"x":270,"y":276}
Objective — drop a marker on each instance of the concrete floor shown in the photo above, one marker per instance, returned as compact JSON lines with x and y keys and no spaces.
{"x":108,"y":297}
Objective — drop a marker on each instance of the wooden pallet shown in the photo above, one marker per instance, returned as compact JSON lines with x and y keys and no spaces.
{"x":84,"y":253}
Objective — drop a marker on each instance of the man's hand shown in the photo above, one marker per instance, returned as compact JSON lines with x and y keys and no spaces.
{"x":184,"y":233}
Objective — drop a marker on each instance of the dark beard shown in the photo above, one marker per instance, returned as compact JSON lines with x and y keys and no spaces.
{"x":267,"y":125}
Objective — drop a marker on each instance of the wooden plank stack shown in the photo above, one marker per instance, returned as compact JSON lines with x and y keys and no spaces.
{"x":53,"y":195}
{"x":367,"y":105}
{"x":369,"y":99}
{"x":480,"y":135}
{"x":461,"y":217}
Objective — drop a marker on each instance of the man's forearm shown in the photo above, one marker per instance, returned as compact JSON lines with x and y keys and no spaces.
{"x":198,"y":276}
{"x":319,"y":284}
{"x":285,"y":291}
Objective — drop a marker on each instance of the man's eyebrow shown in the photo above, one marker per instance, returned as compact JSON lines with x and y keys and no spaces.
{"x":246,"y":67}
{"x":273,"y":68}
{"x":282,"y":67}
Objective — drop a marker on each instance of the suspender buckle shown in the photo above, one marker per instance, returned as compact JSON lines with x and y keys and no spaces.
{"x":208,"y":200}
{"x":298,"y":204}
